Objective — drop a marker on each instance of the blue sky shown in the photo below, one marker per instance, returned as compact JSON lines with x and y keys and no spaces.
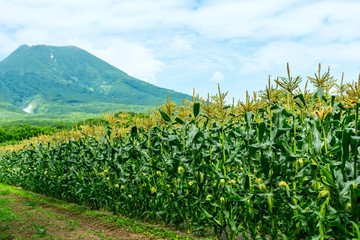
{"x":186,"y":44}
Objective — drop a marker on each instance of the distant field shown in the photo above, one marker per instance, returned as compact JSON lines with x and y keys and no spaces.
{"x":44,"y":119}
{"x":62,"y":120}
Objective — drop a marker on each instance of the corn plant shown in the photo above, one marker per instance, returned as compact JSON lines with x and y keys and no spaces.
{"x":284,"y":165}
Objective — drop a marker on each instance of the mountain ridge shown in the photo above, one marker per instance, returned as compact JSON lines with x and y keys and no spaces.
{"x":57,"y":79}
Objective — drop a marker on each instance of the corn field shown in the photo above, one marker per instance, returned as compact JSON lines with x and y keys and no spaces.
{"x":283,"y":164}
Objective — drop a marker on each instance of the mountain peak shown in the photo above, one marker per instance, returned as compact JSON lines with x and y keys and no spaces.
{"x":59,"y":78}
{"x":23,"y":46}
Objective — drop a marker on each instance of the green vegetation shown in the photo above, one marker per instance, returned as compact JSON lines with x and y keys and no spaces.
{"x":14,"y":135}
{"x":285,"y":165}
{"x":45,"y":120}
{"x":131,"y":118}
{"x":15,"y":131}
{"x":25,"y":215}
{"x":63,"y":80}
{"x":9,"y":108}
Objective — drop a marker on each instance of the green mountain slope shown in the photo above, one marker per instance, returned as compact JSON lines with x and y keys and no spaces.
{"x":49,"y":79}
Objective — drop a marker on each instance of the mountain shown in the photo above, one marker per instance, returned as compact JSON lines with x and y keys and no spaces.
{"x":57,"y":80}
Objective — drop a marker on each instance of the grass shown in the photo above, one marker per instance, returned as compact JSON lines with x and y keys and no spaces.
{"x":48,"y":120}
{"x":6,"y":216}
{"x":26,"y":215}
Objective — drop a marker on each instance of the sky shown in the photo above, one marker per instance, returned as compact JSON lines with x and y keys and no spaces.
{"x":186,"y":44}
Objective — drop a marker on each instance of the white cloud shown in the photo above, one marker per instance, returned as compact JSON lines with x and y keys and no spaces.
{"x":261,"y":20}
{"x":217,"y":77}
{"x":302,"y":56}
{"x":181,"y":40}
{"x":132,"y":58}
{"x":265,"y":20}
{"x":181,"y":44}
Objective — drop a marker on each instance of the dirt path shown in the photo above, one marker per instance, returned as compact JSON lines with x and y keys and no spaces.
{"x":25,"y":218}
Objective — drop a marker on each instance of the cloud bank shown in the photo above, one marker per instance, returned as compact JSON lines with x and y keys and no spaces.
{"x":178,"y":44}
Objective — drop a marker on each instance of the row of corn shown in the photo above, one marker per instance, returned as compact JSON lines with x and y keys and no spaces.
{"x":281,"y":165}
